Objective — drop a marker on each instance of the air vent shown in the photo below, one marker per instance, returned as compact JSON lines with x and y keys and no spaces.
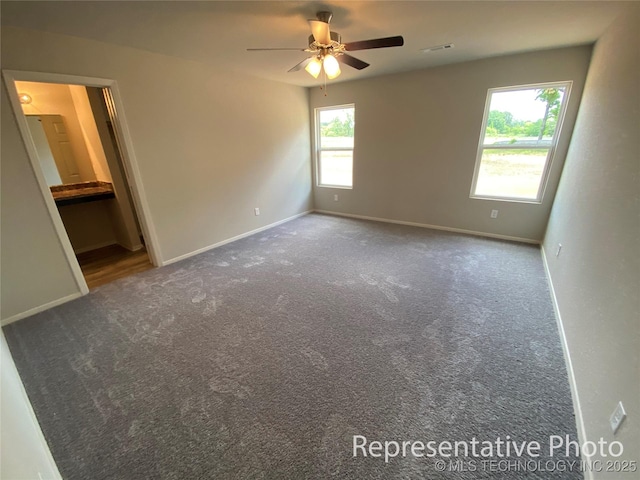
{"x":446,"y":46}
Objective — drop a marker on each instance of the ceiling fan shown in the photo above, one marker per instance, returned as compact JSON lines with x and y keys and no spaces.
{"x":328,"y":51}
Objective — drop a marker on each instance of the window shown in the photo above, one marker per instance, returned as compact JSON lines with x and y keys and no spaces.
{"x":519,"y":136}
{"x":334,"y":146}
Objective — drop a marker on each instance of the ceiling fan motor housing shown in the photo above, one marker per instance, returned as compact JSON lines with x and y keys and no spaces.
{"x":324,"y":16}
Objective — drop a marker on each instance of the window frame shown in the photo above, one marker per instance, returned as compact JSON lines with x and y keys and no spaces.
{"x":319,"y":149}
{"x":551,"y":149}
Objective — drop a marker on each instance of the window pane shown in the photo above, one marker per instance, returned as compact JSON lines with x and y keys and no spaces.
{"x":336,"y":168}
{"x":511,"y":173}
{"x":524,"y":117}
{"x":336,"y":128}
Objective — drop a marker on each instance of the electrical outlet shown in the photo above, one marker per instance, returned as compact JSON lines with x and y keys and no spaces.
{"x":617,"y":417}
{"x":494,"y":213}
{"x":559,"y":250}
{"x":256,"y":211}
{"x":335,"y":197}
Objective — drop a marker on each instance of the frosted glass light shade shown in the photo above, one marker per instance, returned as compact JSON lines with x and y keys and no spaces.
{"x":314,"y":67}
{"x":331,"y":66}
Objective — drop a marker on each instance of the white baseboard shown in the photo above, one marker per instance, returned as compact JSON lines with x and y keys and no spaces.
{"x":582,"y":435}
{"x":131,"y":248}
{"x":433,"y":227}
{"x":41,"y":308}
{"x":136,"y":247}
{"x":232,"y":239}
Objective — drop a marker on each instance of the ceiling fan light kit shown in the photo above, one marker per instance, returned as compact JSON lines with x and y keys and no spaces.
{"x":329,"y":51}
{"x":331,"y":66}
{"x":314,"y":67}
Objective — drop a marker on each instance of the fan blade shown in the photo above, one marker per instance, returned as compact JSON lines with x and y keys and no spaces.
{"x":352,"y":61}
{"x":267,"y":49}
{"x":320,"y":31}
{"x":375,"y":43}
{"x":301,"y":65}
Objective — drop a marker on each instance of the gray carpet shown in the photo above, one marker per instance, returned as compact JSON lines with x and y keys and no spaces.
{"x":262,"y":358}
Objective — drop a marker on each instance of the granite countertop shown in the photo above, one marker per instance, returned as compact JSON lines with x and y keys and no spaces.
{"x":81,"y":192}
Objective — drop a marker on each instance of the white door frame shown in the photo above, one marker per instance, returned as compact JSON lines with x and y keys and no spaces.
{"x":128,"y":159}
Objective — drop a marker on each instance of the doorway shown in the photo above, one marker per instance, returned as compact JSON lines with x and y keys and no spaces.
{"x":77,"y":142}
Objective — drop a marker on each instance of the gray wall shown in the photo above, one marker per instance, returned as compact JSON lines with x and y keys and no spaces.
{"x":596,"y":277}
{"x":210,"y":145}
{"x":417,"y":136}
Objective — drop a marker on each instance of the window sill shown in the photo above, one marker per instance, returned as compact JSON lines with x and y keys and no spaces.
{"x":506,"y":199}
{"x":341,"y":187}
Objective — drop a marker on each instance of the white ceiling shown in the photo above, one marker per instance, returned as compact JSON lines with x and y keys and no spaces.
{"x":219,"y":33}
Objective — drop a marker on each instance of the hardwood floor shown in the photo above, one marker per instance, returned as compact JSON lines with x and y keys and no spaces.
{"x":110,"y":263}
